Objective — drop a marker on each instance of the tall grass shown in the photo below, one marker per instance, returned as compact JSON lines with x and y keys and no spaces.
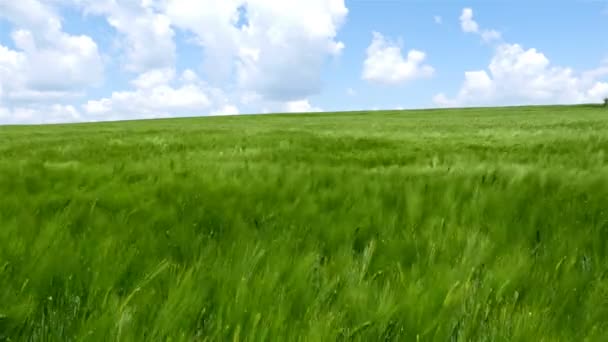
{"x":479,"y":224}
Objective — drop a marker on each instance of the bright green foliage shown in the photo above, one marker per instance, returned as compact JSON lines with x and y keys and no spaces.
{"x":439,"y":225}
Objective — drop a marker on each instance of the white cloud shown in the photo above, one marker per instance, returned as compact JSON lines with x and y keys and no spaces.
{"x":158,"y":77}
{"x":490,"y":35}
{"x":12,"y":69}
{"x":39,"y":114}
{"x":35,"y":96}
{"x":276,"y":35}
{"x":162,"y":93}
{"x":146,"y":35}
{"x":159,"y":93}
{"x":254,"y":103}
{"x":385,"y":63}
{"x":47,"y":60}
{"x":525,"y":76}
{"x":438,"y":19}
{"x":251,"y":48}
{"x":517,"y":75}
{"x":467,"y":23}
{"x":301,"y":106}
{"x":226,"y":110}
{"x":599,"y":91}
{"x":47,"y":67}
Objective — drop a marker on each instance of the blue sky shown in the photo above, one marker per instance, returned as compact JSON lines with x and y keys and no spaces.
{"x":95,"y":60}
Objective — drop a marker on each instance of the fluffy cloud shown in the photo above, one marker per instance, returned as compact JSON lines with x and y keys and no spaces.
{"x":250,"y":49}
{"x":145,"y":33}
{"x":258,"y":42}
{"x":301,"y":106}
{"x":159,"y":93}
{"x":226,"y":110}
{"x":47,"y":67}
{"x":466,"y":21}
{"x":385,"y":63}
{"x":39,"y":114}
{"x":159,"y":77}
{"x":490,"y":35}
{"x":517,"y":75}
{"x":469,"y":25}
{"x":598,"y":92}
{"x":47,"y":61}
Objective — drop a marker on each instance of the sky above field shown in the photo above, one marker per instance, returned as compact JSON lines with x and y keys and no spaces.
{"x":95,"y":60}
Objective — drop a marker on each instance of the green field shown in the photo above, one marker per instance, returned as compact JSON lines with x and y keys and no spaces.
{"x":438,"y":225}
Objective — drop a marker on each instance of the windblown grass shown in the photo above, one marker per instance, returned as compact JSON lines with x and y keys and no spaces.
{"x":478,"y":224}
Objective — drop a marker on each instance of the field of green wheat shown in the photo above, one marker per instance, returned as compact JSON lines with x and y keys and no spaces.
{"x":485,"y":224}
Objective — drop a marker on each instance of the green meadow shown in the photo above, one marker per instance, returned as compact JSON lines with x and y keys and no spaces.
{"x":486,"y":224}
